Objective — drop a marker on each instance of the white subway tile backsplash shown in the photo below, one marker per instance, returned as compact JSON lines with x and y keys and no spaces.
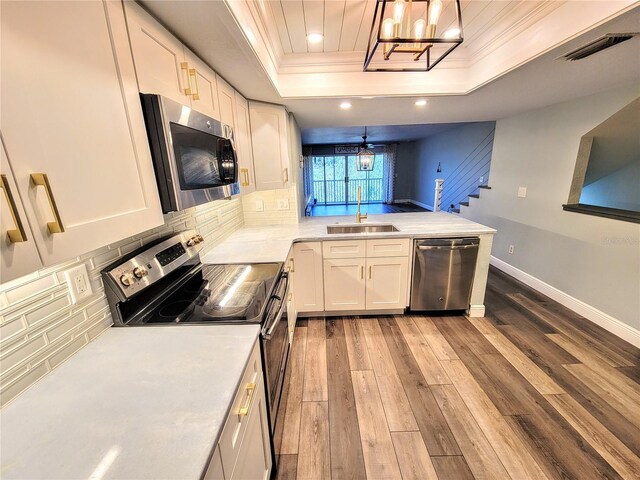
{"x":39,"y":328}
{"x":21,"y":354}
{"x":27,"y":290}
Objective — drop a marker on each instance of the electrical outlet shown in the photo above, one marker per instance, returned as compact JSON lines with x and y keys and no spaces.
{"x":522,"y":192}
{"x":259,"y":206}
{"x":511,"y":249}
{"x":283,"y":204}
{"x":77,"y":279}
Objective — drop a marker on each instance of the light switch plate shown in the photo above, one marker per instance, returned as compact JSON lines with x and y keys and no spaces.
{"x":522,"y":192}
{"x":283,"y":204}
{"x":77,"y":279}
{"x":259,"y":206}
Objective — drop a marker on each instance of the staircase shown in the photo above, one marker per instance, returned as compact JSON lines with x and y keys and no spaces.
{"x":454,"y":209}
{"x":469,"y":178}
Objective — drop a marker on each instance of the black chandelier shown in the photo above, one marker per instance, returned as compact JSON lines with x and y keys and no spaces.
{"x":412,"y":35}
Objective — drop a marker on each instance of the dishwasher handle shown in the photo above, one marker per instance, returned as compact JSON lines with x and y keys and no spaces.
{"x":449,"y":247}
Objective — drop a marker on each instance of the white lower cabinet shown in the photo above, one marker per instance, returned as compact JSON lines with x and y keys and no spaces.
{"x":244,"y":449}
{"x":344,"y":284}
{"x":386,"y":284}
{"x":308,"y":290}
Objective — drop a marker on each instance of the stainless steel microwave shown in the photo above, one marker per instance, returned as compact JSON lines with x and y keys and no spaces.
{"x":193,"y":155}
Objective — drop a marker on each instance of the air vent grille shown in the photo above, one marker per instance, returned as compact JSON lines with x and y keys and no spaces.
{"x":602,"y":43}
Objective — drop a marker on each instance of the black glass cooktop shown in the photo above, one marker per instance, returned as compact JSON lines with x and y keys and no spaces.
{"x":224,"y":293}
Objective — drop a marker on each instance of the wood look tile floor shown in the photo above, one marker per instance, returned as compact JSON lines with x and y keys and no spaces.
{"x":530,"y":391}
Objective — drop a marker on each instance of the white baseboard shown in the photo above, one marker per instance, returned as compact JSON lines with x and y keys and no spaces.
{"x":476,"y":311}
{"x":598,"y":317}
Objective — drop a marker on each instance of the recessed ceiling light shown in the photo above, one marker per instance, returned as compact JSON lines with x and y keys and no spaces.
{"x":314,"y":38}
{"x":345,"y":105}
{"x":452,"y":33}
{"x":421,"y":103}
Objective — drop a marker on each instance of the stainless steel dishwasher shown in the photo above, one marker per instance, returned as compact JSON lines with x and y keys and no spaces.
{"x":443,"y":270}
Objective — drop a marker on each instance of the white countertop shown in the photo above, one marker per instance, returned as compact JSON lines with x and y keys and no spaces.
{"x":272,"y":243}
{"x":137,"y":403}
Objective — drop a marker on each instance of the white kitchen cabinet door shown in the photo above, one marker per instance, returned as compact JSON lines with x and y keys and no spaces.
{"x":242,"y":137}
{"x":203,"y":85}
{"x":19,"y":253}
{"x":387,"y":280}
{"x":215,"y":471}
{"x":254,"y":457}
{"x":270,"y":143}
{"x":308,"y":290}
{"x":71,"y":116}
{"x":344,"y":284}
{"x":227,"y":102}
{"x":158,"y":56}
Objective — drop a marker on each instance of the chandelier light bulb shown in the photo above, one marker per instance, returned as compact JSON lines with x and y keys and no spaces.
{"x":387,"y":28}
{"x":435,"y":9}
{"x":419,"y":29}
{"x":398,"y":10}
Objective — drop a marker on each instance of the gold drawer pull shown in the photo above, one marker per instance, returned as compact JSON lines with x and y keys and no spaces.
{"x":18,"y":234}
{"x":251,"y":388}
{"x":41,"y":180}
{"x":245,"y":177}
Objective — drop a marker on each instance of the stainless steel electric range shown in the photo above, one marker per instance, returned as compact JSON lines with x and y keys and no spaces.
{"x":165,"y":284}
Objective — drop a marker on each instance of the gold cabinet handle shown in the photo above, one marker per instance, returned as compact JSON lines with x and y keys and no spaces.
{"x":369,"y":272}
{"x":244,"y":411}
{"x":362,"y":272}
{"x":17,"y":234}
{"x":185,"y":70}
{"x":285,"y":175}
{"x":41,"y":180}
{"x":291,"y":265}
{"x":191,"y":73}
{"x":245,"y":177}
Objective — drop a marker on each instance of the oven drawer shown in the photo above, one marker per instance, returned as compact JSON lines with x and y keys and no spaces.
{"x":243,"y":403}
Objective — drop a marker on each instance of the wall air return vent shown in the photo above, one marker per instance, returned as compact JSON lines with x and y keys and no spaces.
{"x":602,"y":43}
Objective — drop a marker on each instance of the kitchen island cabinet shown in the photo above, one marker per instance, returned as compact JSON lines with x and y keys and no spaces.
{"x":74,"y":135}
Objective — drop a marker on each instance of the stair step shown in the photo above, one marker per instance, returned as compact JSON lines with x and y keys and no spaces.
{"x":484,"y":186}
{"x":455,"y":210}
{"x":466,"y":204}
{"x":475,"y":195}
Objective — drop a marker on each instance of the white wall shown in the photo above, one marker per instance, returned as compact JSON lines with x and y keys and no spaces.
{"x":595,"y":260}
{"x":620,"y":189}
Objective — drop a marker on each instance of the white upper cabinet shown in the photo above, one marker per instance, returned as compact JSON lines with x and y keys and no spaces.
{"x":19,"y":253}
{"x":164,"y":66}
{"x":158,"y":56}
{"x":242,"y":137}
{"x":203,"y":86}
{"x":227,"y":99}
{"x":270,"y":142}
{"x":72,"y":126}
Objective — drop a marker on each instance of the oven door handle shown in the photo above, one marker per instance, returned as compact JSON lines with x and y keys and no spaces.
{"x":267,"y":331}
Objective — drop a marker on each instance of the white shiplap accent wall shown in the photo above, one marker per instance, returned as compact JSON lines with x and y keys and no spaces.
{"x":39,"y":328}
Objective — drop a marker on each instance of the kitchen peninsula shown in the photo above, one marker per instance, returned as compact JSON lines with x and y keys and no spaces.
{"x":274,"y":243}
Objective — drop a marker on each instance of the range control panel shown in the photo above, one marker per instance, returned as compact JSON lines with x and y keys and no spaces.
{"x":154,"y":263}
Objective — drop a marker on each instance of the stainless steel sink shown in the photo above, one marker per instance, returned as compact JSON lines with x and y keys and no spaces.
{"x":361,"y":228}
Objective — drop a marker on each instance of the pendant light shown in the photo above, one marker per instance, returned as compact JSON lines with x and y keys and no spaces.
{"x":408,"y":36}
{"x":365,"y":157}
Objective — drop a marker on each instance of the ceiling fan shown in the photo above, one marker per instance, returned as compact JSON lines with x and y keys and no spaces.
{"x":365,"y":144}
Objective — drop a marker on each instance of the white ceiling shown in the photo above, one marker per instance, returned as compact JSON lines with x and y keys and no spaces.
{"x":218,"y":32}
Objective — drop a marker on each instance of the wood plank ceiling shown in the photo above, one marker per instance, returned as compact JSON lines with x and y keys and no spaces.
{"x":345,"y":24}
